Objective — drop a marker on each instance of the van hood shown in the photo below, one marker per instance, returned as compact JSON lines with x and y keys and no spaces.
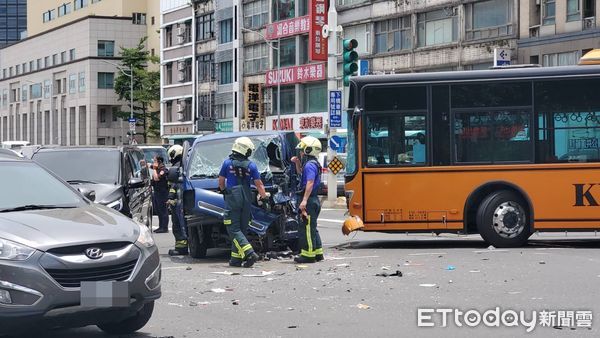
{"x":52,"y":228}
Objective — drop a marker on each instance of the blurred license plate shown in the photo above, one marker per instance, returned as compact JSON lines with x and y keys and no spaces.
{"x":105,"y":294}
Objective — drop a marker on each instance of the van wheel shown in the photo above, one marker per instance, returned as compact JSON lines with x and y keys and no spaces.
{"x":503,"y":219}
{"x":197,"y":243}
{"x":131,"y":324}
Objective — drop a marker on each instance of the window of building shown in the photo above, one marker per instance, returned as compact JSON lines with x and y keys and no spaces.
{"x":31,"y":66}
{"x":226,"y":31}
{"x":205,"y":27}
{"x":349,"y":2}
{"x":184,"y":68}
{"x":573,"y":11}
{"x":72,"y":54}
{"x":187,"y":32}
{"x":39,"y":63}
{"x":206,"y":67}
{"x":284,"y":9}
{"x":5,"y":98}
{"x":256,"y":14}
{"x":437,"y":27}
{"x":169,"y":36}
{"x":63,"y":57}
{"x":49,"y":15}
{"x":288,"y":100}
{"x":315,"y":98}
{"x":288,"y":52}
{"x":54,"y":59}
{"x":561,"y":59}
{"x":106,"y":48}
{"x":138,"y":18}
{"x":24,"y":67}
{"x":72,"y":83}
{"x":396,"y":139}
{"x":169,"y":73}
{"x":82,"y":82}
{"x":226,"y":74}
{"x":10,"y":71}
{"x":106,"y":80}
{"x":79,"y":4}
{"x":4,"y":73}
{"x":489,"y":19}
{"x":18,"y":69}
{"x":393,"y":35}
{"x":47,"y":62}
{"x":47,"y":88}
{"x":36,"y":91}
{"x":152,"y":21}
{"x":256,"y":58}
{"x":24,"y":93}
{"x":115,"y":113}
{"x":64,"y":9}
{"x":548,"y":12}
{"x":102,"y":114}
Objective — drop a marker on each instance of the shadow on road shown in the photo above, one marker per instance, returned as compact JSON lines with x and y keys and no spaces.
{"x":465,"y":244}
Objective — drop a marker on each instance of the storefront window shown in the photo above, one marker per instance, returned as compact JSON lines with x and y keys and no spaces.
{"x":315,"y":98}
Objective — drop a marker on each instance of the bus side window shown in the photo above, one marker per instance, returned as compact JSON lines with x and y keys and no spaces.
{"x":441,"y":125}
{"x":396,"y":140}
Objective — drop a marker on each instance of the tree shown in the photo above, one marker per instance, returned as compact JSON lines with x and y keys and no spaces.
{"x":146,"y":88}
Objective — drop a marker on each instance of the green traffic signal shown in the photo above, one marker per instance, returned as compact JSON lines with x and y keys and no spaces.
{"x":350,"y":58}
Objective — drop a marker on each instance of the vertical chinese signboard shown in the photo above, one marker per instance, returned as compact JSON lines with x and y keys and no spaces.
{"x":317,"y":44}
{"x":253,"y":105}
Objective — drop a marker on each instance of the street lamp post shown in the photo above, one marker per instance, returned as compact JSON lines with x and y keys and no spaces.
{"x":270,"y":44}
{"x":130,"y":75}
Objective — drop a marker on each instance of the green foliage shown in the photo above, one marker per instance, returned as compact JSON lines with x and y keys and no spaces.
{"x":146,"y":88}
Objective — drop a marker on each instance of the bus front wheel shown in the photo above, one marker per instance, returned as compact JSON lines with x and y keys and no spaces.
{"x":503,"y":219}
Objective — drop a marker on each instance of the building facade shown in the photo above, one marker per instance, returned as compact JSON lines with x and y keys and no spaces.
{"x":13,"y":20}
{"x":62,"y":92}
{"x":557,"y":33}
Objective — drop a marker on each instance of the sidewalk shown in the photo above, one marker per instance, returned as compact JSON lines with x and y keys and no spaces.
{"x":340,"y":203}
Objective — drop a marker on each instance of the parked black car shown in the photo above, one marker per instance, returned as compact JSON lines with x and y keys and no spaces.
{"x":117,"y":176}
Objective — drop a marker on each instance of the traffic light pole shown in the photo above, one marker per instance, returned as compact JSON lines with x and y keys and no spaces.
{"x":332,"y":52}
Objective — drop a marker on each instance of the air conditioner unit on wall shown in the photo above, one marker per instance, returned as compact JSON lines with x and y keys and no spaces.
{"x":180,"y":40}
{"x":181,"y":31}
{"x":180,"y":65}
{"x":181,"y":77}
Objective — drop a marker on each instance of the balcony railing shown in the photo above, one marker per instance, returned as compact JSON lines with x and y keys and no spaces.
{"x":589,"y":23}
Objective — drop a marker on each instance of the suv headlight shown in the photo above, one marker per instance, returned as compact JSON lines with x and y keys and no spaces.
{"x":145,"y":237}
{"x":14,"y":251}
{"x":117,"y":205}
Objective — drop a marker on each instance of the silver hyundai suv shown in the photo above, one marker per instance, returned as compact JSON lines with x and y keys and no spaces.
{"x":67,"y":262}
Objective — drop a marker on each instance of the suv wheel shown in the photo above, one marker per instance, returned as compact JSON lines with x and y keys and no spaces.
{"x":131,"y":324}
{"x":197,"y":242}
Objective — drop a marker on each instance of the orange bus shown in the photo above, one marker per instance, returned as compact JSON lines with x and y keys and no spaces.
{"x":502,"y":153}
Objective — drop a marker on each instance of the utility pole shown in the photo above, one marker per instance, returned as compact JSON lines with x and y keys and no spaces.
{"x":332,"y":52}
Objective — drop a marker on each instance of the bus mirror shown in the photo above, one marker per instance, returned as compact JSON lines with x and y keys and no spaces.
{"x":355,"y":116}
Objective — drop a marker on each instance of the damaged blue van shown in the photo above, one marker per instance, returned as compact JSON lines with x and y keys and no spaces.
{"x":274,"y":225}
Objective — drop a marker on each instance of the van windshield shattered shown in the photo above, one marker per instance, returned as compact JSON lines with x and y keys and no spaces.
{"x":208,"y":156}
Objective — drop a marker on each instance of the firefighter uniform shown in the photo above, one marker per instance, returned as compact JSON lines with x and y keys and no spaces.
{"x":309,"y":240}
{"x":176,"y":204}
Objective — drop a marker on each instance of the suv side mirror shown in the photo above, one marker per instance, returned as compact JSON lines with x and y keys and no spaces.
{"x":136,"y":182}
{"x":87,"y":193}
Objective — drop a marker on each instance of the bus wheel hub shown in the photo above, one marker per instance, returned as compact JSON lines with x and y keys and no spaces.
{"x":509,"y":219}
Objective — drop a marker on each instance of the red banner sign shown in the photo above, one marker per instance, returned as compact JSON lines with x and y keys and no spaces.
{"x":285,"y":28}
{"x":317,"y":44}
{"x":296,"y":74}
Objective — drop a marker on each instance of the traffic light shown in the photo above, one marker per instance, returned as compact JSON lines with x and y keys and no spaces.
{"x":350,"y":57}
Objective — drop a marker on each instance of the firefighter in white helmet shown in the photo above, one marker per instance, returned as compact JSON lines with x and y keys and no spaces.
{"x":175,"y":153}
{"x":309,"y":241}
{"x":235,"y":177}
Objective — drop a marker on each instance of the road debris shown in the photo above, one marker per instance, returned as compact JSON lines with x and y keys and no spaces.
{"x":219,"y":290}
{"x":363,"y":306}
{"x":175,"y":304}
{"x":398,"y":273}
{"x":542,"y":262}
{"x":235,"y":302}
{"x":263,"y":274}
{"x":385,"y":268}
{"x":427,"y":285}
{"x":188,"y":268}
{"x":450,"y":267}
{"x":474,"y":271}
{"x":343,"y":265}
{"x":293,"y":327}
{"x":226,"y":273}
{"x":193,"y":303}
{"x":491,"y":247}
{"x":412,"y":264}
{"x":301,"y":267}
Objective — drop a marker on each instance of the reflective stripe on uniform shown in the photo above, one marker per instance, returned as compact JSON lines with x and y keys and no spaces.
{"x":319,"y":251}
{"x":237,"y":245}
{"x":227,"y":221}
{"x":307,"y":254}
{"x":235,"y":255}
{"x":246,"y":248}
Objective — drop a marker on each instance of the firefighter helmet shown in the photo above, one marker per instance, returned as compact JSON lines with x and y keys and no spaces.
{"x":243,"y":146}
{"x":310,"y":145}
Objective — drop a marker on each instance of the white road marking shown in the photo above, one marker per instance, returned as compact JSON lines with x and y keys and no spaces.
{"x":328,"y":220}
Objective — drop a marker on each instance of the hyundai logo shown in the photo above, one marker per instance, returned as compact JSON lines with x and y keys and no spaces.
{"x":94,"y":253}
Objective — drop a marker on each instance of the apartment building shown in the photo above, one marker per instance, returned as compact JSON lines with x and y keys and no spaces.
{"x":429,"y":35}
{"x":57,"y":86}
{"x":13,"y":20}
{"x":557,"y":33}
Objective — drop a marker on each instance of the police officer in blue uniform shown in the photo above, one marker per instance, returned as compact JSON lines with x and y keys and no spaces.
{"x":309,"y":240}
{"x":235,"y":177}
